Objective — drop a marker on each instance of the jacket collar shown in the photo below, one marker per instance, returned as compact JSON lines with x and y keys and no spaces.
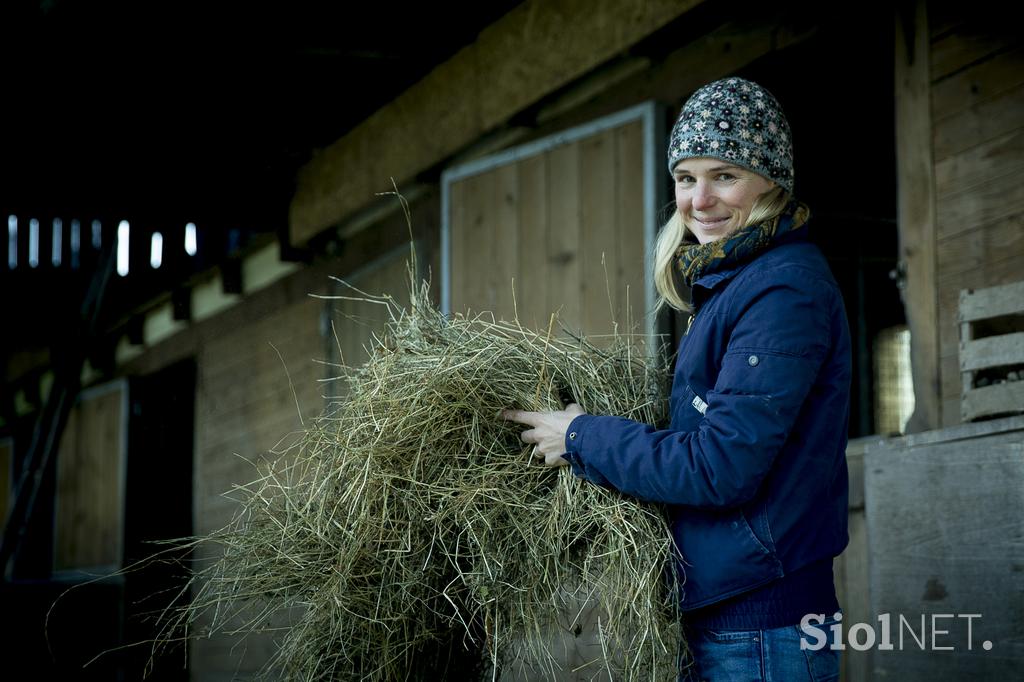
{"x":704,"y":285}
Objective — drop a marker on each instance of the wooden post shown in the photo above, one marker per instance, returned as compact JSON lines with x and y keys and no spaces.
{"x":915,"y":172}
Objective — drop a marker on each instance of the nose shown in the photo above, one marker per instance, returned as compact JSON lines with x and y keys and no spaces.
{"x":702,"y":198}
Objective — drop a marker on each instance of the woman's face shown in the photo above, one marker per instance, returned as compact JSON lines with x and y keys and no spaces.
{"x":714,"y":197}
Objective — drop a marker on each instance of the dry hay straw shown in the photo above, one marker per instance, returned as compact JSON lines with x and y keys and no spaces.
{"x":409,"y":533}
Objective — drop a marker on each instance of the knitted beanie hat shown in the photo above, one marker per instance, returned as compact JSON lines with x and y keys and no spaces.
{"x":739,"y":122}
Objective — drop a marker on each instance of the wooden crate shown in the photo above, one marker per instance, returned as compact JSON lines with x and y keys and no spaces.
{"x":992,"y":351}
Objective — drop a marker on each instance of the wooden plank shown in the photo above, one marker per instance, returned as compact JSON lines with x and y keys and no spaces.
{"x":855,"y":469}
{"x":598,"y":212}
{"x":1007,"y":398}
{"x":467,"y":237}
{"x":502,"y":270}
{"x":916,"y":209}
{"x":852,"y":582}
{"x":992,"y":351}
{"x":970,"y":42}
{"x":89,"y":524}
{"x":973,"y":167}
{"x":944,"y":523}
{"x":968,"y":252}
{"x":986,"y":121}
{"x":997,"y":199}
{"x":535,"y":49}
{"x":991,"y":302}
{"x":951,"y":380}
{"x":565,"y":234}
{"x":531,"y":284}
{"x":628,"y":259}
{"x":978,"y":83}
{"x":456,"y":246}
{"x":949,"y":327}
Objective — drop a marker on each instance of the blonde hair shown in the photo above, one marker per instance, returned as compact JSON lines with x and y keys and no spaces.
{"x":767,"y":206}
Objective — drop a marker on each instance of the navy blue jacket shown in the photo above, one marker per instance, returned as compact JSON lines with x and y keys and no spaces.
{"x":753,"y":464}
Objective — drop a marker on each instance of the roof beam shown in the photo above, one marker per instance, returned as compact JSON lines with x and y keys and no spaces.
{"x":532,"y":51}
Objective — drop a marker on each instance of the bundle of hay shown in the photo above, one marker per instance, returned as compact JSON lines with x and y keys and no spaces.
{"x":409,"y":534}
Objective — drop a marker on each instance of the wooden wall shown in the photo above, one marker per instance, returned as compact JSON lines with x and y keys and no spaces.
{"x":977,"y":105}
{"x":89,"y":515}
{"x":249,"y":397}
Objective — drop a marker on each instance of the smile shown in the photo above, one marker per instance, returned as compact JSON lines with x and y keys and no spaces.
{"x":712,"y":222}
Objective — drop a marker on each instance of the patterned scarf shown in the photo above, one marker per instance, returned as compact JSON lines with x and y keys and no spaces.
{"x":694,"y":259}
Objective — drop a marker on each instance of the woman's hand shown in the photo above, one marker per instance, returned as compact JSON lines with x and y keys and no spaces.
{"x":548,"y":432}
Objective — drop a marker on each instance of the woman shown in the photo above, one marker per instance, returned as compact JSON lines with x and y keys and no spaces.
{"x":753,"y":463}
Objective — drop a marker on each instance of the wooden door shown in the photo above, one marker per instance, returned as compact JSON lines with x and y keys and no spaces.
{"x":89,"y":516}
{"x":564,"y":224}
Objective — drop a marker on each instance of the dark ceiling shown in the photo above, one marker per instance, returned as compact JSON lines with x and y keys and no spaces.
{"x":165,"y":112}
{"x":199,"y":108}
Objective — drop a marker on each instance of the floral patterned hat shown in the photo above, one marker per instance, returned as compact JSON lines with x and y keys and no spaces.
{"x":739,"y":122}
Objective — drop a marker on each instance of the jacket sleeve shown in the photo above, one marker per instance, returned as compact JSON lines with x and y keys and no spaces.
{"x":780,"y":337}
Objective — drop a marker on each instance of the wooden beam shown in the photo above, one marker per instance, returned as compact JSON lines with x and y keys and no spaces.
{"x":532,"y":51}
{"x":915,"y":173}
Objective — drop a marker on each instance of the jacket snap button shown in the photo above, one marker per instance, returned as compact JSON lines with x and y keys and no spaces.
{"x":572,"y":436}
{"x":752,"y":361}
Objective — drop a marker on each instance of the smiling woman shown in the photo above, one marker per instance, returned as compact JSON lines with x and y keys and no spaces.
{"x":753,"y":463}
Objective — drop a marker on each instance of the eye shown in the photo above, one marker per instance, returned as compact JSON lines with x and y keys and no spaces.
{"x":684,"y":179}
{"x":726,"y":177}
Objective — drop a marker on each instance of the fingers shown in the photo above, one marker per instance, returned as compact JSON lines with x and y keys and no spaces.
{"x":521,"y":416}
{"x":553,"y":459}
{"x":534,"y":418}
{"x":529,"y":436}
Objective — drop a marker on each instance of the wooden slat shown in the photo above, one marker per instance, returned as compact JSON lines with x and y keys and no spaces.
{"x":916,"y":209}
{"x":950,"y":368}
{"x":971,"y":42}
{"x":469,"y":234}
{"x":949,"y":323}
{"x":992,"y":351}
{"x":979,"y":83}
{"x":629,"y":254}
{"x":986,"y":121}
{"x":992,"y":302}
{"x":502,"y":266}
{"x":992,"y":400}
{"x":967,"y":253}
{"x":973,"y":167}
{"x":531,"y":285}
{"x":565,"y":233}
{"x":90,"y":469}
{"x":852,"y":589}
{"x":598,"y":211}
{"x":997,"y":199}
{"x":457,"y":216}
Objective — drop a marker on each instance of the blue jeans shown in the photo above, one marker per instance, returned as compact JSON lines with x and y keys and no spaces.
{"x":772,"y":655}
